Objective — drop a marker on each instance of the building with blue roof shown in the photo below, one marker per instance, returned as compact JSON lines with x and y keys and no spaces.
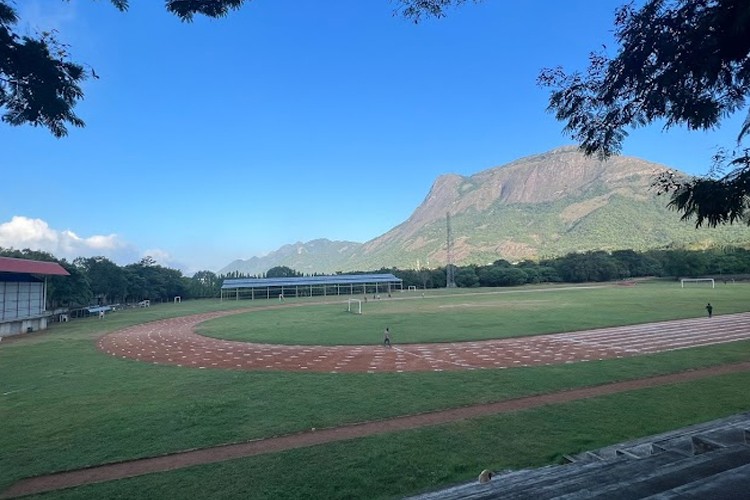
{"x":309,"y":286}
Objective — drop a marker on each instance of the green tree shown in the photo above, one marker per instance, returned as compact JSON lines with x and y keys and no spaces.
{"x":549,"y":274}
{"x":108,"y":281}
{"x":138,"y":288}
{"x":148,"y":280}
{"x":69,"y":291}
{"x":205,"y":284}
{"x":588,"y":266}
{"x":282,"y":272}
{"x":487,"y":275}
{"x":437,"y":278}
{"x":466,"y":277}
{"x":513,"y":277}
{"x":634,"y":264}
{"x":684,"y":263}
{"x":28,"y":253}
{"x":501,"y":273}
{"x":727,"y":264}
{"x":678,"y":62}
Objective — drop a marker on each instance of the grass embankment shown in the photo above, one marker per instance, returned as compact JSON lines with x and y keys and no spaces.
{"x":65,"y":405}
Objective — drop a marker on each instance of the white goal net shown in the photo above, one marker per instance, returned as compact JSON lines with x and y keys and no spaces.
{"x":697,"y":281}
{"x":354,"y":306}
{"x":412,"y":288}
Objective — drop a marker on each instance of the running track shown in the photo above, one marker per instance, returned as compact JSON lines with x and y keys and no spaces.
{"x":174,"y":342}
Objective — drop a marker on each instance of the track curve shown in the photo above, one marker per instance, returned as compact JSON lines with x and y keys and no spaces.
{"x":174,"y":342}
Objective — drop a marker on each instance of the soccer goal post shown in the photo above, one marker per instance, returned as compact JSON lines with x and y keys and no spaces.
{"x":411,"y":288}
{"x":697,"y":280}
{"x":354,"y":306}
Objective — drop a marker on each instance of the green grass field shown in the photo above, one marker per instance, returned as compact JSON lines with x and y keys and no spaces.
{"x":64,"y":405}
{"x":475,"y":315}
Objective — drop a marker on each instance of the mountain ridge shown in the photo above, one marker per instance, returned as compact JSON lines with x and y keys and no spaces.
{"x":538,"y":206}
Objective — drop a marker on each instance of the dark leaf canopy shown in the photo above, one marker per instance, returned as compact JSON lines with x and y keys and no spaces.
{"x":7,"y":15}
{"x":683,"y":62}
{"x":679,"y":62}
{"x":417,"y":9}
{"x":186,"y":9}
{"x":713,"y":200}
{"x":40,"y":85}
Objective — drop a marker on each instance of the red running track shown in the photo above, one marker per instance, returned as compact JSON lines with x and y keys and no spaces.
{"x":174,"y":342}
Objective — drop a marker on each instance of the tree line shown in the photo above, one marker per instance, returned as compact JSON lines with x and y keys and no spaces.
{"x":571,"y":268}
{"x":99,"y":281}
{"x":589,"y":266}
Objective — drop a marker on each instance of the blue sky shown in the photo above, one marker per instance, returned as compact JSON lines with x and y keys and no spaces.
{"x":288,"y":121}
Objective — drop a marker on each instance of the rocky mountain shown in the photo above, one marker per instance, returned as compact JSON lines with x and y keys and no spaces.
{"x":539,"y":206}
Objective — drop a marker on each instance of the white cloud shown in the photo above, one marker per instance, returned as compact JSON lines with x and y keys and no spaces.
{"x":164,"y":258}
{"x":23,"y":232}
{"x":160,"y":256}
{"x":36,"y":234}
{"x":105,"y":242}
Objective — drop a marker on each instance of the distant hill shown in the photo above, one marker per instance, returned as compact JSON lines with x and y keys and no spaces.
{"x":320,"y":255}
{"x":540,"y":206}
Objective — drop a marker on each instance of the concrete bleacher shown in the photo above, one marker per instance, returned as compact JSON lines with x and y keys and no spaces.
{"x":710,"y":460}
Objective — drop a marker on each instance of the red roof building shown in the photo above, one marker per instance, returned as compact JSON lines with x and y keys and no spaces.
{"x":23,"y":294}
{"x":25,"y":266}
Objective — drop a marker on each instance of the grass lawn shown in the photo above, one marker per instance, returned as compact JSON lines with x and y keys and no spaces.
{"x":484,"y":314}
{"x":65,"y":405}
{"x":394,"y":465}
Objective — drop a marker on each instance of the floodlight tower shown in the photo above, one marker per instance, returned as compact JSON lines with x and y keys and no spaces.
{"x":450,"y":272}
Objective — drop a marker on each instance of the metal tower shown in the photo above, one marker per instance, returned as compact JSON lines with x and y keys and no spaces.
{"x":450,"y":271}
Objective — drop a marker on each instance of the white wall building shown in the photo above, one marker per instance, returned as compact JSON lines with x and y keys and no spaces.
{"x":23,"y":294}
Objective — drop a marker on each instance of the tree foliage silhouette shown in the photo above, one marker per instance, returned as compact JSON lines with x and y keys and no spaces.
{"x":680,"y":63}
{"x":39,"y":83}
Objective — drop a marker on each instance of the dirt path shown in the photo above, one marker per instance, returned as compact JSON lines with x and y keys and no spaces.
{"x":310,"y":438}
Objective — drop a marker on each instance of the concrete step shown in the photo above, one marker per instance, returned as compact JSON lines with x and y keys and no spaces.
{"x":622,"y":479}
{"x":552,"y":486}
{"x":661,"y":479}
{"x":733,"y":483}
{"x":679,"y":439}
{"x":504,"y":481}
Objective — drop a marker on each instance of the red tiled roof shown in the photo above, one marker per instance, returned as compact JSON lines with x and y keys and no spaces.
{"x":25,"y":266}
